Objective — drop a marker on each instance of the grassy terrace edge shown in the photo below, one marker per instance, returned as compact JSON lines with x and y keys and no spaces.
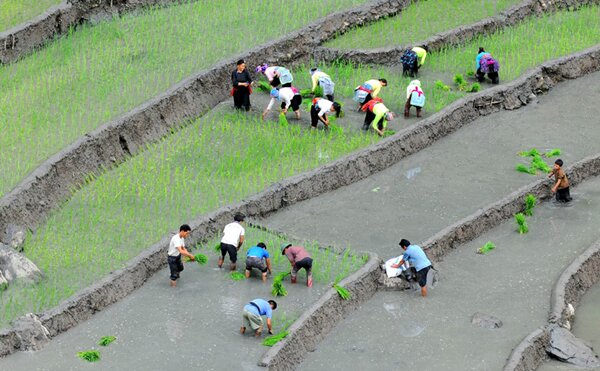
{"x":51,"y":183}
{"x":22,"y":39}
{"x":119,"y":284}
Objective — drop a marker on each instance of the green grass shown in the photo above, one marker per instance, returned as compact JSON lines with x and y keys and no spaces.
{"x":93,"y":75}
{"x":14,"y":12}
{"x":419,"y":22}
{"x":213,"y":162}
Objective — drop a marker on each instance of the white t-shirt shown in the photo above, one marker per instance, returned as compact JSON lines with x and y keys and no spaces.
{"x":176,"y":242}
{"x":324,"y":106}
{"x":232,"y":233}
{"x":285,"y":95}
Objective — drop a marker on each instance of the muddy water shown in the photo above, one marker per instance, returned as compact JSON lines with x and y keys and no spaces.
{"x":513,"y":283}
{"x":438,"y":186}
{"x":194,"y":326}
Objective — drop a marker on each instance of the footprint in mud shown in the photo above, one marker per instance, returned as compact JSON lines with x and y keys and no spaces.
{"x":174,"y":330}
{"x":411,"y":330}
{"x":411,"y":173}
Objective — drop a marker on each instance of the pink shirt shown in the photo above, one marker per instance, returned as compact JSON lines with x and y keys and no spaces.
{"x":270,"y":72}
{"x":296,"y":253}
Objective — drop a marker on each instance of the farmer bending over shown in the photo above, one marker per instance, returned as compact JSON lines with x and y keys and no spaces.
{"x":320,"y":78}
{"x":319,"y":109}
{"x":276,"y":75}
{"x":486,"y":64}
{"x":378,"y":115}
{"x":416,"y":256}
{"x":252,"y":315}
{"x":414,"y":98}
{"x":299,"y":258}
{"x":289,"y":97}
{"x":233,"y":238}
{"x":369,"y":90}
{"x":258,"y":257}
{"x":176,"y":248}
{"x":413,"y":59}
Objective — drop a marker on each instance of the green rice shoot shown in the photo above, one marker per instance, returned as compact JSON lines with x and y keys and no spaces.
{"x":553,"y":153}
{"x":278,"y":289}
{"x":342,"y":292}
{"x":531,"y":153}
{"x":439,"y":84}
{"x":336,"y":129}
{"x":474,"y":88}
{"x":524,"y":169}
{"x":388,"y":133}
{"x":106,"y":340}
{"x":530,"y":202}
{"x":274,"y":339}
{"x":237,"y":276}
{"x":538,"y":163}
{"x":318,"y":91}
{"x":283,"y":122}
{"x":201,"y":259}
{"x":489,"y":246}
{"x":89,"y":355}
{"x":305,"y":93}
{"x":217,"y":248}
{"x":521,"y":223}
{"x":264,"y":86}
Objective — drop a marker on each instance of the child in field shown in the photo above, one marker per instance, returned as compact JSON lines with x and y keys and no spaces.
{"x":561,"y":187}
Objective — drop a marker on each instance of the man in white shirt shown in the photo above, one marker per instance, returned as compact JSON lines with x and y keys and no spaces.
{"x":176,"y":248}
{"x":233,"y":238}
{"x":289,"y":97}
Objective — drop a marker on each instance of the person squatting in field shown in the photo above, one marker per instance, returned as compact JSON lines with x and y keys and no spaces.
{"x":319,"y":109}
{"x":413,"y":59}
{"x":233,"y":238}
{"x":416,"y":256}
{"x":299,"y":258}
{"x":258,"y":257}
{"x":242,"y":86}
{"x":415,"y":97}
{"x":289,"y":97}
{"x":369,"y":90}
{"x":377,"y":115}
{"x":486,"y":64}
{"x":276,"y":75}
{"x":176,"y":249}
{"x":320,"y":78}
{"x":252,"y":316}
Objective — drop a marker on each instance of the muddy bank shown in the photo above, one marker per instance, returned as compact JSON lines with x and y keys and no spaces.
{"x":51,"y":183}
{"x":24,"y":38}
{"x":507,"y":18}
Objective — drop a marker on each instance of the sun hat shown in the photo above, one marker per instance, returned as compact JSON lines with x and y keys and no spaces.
{"x":274,"y":93}
{"x":284,"y":246}
{"x":262,"y":68}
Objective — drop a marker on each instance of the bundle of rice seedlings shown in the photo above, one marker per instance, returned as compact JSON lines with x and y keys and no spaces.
{"x":471,"y":74}
{"x":530,"y":201}
{"x":553,"y":152}
{"x":489,"y":246}
{"x":460,"y":82}
{"x":522,"y":223}
{"x":474,"y":88}
{"x":342,"y":292}
{"x":305,"y":93}
{"x":538,"y":163}
{"x":89,"y":355}
{"x":201,"y":259}
{"x":283,"y":122}
{"x":531,"y":153}
{"x":439,"y":84}
{"x":274,"y":339}
{"x":264,"y":86}
{"x":388,"y":133}
{"x":278,"y":288}
{"x":524,"y":169}
{"x":336,"y":129}
{"x":237,"y":276}
{"x":105,"y":340}
{"x":319,"y":91}
{"x":217,"y":248}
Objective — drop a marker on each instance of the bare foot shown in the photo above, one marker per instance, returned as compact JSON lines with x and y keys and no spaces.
{"x":242,"y":330}
{"x":173,"y":283}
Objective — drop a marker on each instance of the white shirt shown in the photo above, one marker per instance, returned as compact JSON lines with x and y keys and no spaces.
{"x":176,"y":242}
{"x":324,"y":106}
{"x":232,"y":233}
{"x":285,"y":95}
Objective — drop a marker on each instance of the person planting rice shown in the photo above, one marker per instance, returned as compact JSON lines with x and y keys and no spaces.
{"x":485,"y":64}
{"x":413,"y":59}
{"x":299,"y":258}
{"x":414,"y":98}
{"x":241,"y":81}
{"x":176,"y":248}
{"x":258,"y":257}
{"x":252,"y":316}
{"x":378,"y":115}
{"x":233,"y":238}
{"x":276,"y":75}
{"x":319,"y":109}
{"x":416,"y":256}
{"x":289,"y":97}
{"x":320,"y":78}
{"x":369,"y":90}
{"x":561,"y":187}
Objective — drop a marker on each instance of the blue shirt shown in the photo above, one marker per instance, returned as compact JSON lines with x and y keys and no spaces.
{"x":478,"y":58}
{"x":416,"y":256}
{"x":265,"y":308}
{"x":258,"y":252}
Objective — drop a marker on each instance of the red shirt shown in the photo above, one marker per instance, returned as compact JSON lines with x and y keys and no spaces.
{"x":296,"y":253}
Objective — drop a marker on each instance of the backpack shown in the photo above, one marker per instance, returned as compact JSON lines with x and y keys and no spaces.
{"x":408,"y":58}
{"x":488,"y":64}
{"x":361,"y":92}
{"x":370,"y":104}
{"x":417,"y":98}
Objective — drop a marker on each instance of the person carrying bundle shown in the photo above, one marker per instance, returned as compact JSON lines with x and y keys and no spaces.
{"x":299,"y":258}
{"x":414,"y":98}
{"x":258,"y":257}
{"x":320,"y":78}
{"x":378,"y":115}
{"x":369,"y":90}
{"x":416,"y":256}
{"x":176,"y":249}
{"x":413,"y":59}
{"x":276,"y":75}
{"x":289,"y":97}
{"x":319,"y":109}
{"x":486,"y":64}
{"x":241,"y":81}
{"x":252,"y":316}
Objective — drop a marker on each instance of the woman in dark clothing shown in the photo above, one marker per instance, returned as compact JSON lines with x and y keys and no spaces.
{"x":241,"y":80}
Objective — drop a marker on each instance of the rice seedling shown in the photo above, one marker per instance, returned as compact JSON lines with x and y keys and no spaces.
{"x":521,"y":223}
{"x":489,"y":246}
{"x":388,"y":133}
{"x":319,"y":91}
{"x":336,"y":129}
{"x":89,"y":355}
{"x":274,"y":339}
{"x":460,"y":82}
{"x":525,"y":169}
{"x":474,"y":88}
{"x":237,"y":276}
{"x":283,"y":122}
{"x":199,"y":258}
{"x":553,"y":153}
{"x":217,"y":248}
{"x":264,"y":85}
{"x":342,"y":292}
{"x":538,"y":163}
{"x":278,"y":289}
{"x":439,"y":84}
{"x":530,"y":201}
{"x":106,"y":340}
{"x":306,"y":93}
{"x":14,"y":12}
{"x":531,"y":153}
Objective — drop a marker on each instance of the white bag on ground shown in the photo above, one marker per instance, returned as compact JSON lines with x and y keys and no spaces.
{"x":395,"y":272}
